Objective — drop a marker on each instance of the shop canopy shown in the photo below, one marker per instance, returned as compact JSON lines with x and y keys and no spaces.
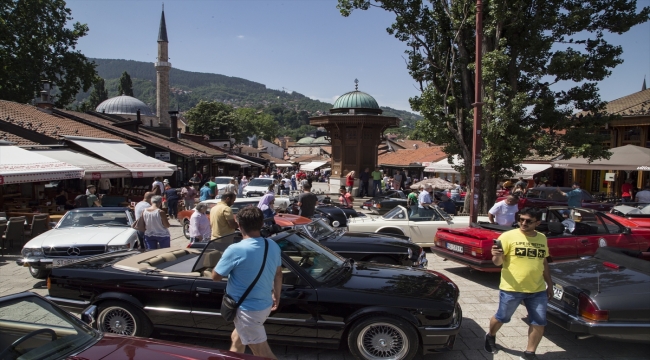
{"x":21,"y":166}
{"x":531,"y":169}
{"x":95,"y":168}
{"x":283,"y":165}
{"x":232,"y":162}
{"x":245,"y":161}
{"x":628,"y":157}
{"x":312,"y":165}
{"x":115,"y":151}
{"x":443,"y":166}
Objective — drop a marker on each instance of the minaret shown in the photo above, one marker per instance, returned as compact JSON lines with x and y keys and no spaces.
{"x":162,"y":75}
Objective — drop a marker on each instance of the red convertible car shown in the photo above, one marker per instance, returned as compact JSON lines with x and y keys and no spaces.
{"x":634,"y":212}
{"x":571,"y":233}
{"x":550,"y":196}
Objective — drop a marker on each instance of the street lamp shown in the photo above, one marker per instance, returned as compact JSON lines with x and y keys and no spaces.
{"x":478,"y":114}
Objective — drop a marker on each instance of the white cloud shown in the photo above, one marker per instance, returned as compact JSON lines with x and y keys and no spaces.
{"x":240,"y":36}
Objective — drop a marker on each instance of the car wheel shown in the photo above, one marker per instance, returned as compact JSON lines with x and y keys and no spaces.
{"x":186,"y":229}
{"x":38,"y":273}
{"x":383,"y":337}
{"x":382,"y":260}
{"x":124,"y":319}
{"x":391,"y":231}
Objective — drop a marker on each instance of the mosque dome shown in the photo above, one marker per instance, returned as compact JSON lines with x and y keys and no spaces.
{"x":124,"y":105}
{"x":356,"y":100}
{"x":322,"y":140}
{"x":306,"y":141}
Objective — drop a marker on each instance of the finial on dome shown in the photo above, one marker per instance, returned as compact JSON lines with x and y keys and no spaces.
{"x":356,"y":84}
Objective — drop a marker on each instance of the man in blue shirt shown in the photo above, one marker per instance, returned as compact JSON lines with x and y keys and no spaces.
{"x":574,"y":197}
{"x":241,"y":262}
{"x":205,"y":192}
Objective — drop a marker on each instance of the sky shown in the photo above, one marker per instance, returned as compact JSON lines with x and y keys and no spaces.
{"x":296,"y":45}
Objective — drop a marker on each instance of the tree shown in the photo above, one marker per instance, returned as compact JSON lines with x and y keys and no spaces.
{"x":98,"y":95}
{"x":35,"y":45}
{"x":214,"y":119}
{"x":254,"y":122}
{"x":541,"y":64}
{"x":126,"y":85}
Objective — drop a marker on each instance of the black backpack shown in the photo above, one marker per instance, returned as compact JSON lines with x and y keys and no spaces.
{"x":81,"y":201}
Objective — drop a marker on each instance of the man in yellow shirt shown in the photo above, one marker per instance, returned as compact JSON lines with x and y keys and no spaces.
{"x":222,"y":220}
{"x":524,"y":277}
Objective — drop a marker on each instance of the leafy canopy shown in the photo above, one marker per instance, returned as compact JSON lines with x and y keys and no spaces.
{"x":36,"y":45}
{"x":219,"y":120}
{"x":126,"y":85}
{"x":530,"y":50}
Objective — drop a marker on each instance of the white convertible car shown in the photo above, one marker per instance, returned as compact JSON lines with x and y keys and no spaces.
{"x":80,"y":233}
{"x":420,"y":228}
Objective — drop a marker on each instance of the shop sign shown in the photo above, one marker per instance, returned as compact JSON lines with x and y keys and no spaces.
{"x":162,"y":155}
{"x":610,"y":176}
{"x":96,"y":176}
{"x":139,"y":174}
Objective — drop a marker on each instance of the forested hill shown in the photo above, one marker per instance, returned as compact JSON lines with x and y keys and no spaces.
{"x":188,"y":88}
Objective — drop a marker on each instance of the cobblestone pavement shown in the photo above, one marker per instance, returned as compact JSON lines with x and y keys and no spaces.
{"x":479,"y":298}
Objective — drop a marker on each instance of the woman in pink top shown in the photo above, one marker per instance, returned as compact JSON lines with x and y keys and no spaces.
{"x":349,"y":181}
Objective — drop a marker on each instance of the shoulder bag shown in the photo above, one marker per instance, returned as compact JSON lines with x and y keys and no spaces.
{"x":228,"y":305}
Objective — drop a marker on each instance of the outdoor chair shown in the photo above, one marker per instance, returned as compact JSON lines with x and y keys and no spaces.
{"x":15,"y":231}
{"x":39,"y":226}
{"x":3,"y":228}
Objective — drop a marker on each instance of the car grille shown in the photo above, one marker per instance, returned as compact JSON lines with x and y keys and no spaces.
{"x":83,"y":250}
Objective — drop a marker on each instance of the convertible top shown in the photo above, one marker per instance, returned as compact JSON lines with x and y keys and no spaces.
{"x":630,"y":259}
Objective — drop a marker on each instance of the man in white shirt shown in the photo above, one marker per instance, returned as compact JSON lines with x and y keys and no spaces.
{"x":425,"y":201}
{"x":503,"y":212}
{"x":643,"y":196}
{"x":139,"y":209}
{"x":105,"y":186}
{"x":158,"y":184}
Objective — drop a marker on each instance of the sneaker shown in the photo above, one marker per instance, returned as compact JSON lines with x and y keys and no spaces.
{"x":491,"y":344}
{"x":528,"y":356}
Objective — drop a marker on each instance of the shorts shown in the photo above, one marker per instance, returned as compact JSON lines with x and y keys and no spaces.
{"x":250,"y":325}
{"x":535,"y":304}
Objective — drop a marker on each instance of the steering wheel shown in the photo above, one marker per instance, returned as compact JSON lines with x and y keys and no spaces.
{"x":12,"y":347}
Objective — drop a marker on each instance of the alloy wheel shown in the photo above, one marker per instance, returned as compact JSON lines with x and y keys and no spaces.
{"x":383,"y":341}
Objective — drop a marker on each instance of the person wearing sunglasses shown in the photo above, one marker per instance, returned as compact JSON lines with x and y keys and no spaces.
{"x":525,"y":277}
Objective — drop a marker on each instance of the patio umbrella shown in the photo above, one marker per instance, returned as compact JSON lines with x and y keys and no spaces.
{"x":437,"y":183}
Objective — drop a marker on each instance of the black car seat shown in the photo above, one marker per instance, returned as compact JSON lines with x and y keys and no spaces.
{"x":583,"y":229}
{"x":555,"y":228}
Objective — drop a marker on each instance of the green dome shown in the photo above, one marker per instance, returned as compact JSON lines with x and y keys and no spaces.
{"x":356,"y":100}
{"x":321,"y":141}
{"x":306,"y":141}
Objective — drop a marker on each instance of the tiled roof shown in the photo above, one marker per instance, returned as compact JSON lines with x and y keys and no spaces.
{"x":5,"y":136}
{"x":327,"y":149}
{"x":147,"y":137}
{"x":631,"y":105}
{"x":307,"y":158}
{"x":409,"y":156}
{"x":245,"y":149}
{"x":408,"y":144}
{"x":51,"y":125}
{"x":268,"y":156}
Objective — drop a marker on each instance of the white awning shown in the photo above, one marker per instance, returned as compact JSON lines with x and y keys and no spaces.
{"x":283,"y":165}
{"x":232,"y":161}
{"x":95,"y":169}
{"x":312,"y":165}
{"x":531,"y":169}
{"x":21,"y":166}
{"x":443,"y":166}
{"x":252,"y":163}
{"x":139,"y":164}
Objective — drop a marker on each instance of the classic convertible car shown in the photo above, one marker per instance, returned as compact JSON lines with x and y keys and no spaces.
{"x":588,"y":295}
{"x":542,"y":197}
{"x":635,"y":212}
{"x":380,"y":311}
{"x":81,"y":232}
{"x":32,"y":327}
{"x":571,"y":233}
{"x":400,"y":222}
{"x":385,"y":202}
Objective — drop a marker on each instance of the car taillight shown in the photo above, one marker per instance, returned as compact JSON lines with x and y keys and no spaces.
{"x":589,"y":310}
{"x":476,"y":251}
{"x":378,"y":206}
{"x":436,"y":241}
{"x":49,"y":283}
{"x":612,"y":265}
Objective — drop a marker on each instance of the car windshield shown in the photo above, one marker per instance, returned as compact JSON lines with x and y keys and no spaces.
{"x":260,"y":182}
{"x":318,"y":229}
{"x":238,"y":205}
{"x":553,"y":194}
{"x":48,"y":332}
{"x":395,"y":213}
{"x":221,"y":181}
{"x":317,"y":260}
{"x":94,"y":218}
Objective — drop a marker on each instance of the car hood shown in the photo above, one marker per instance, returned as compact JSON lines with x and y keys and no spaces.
{"x":122,"y":347}
{"x":398,"y":281}
{"x":80,"y":236}
{"x":470,"y":232}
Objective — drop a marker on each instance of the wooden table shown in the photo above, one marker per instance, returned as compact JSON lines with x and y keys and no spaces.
{"x":56,"y":217}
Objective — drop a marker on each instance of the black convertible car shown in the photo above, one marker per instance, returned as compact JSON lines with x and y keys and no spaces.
{"x":607,"y":295}
{"x":380,"y":311}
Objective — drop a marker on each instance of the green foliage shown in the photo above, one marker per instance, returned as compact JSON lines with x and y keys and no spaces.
{"x":527,"y":48}
{"x":125,"y":85}
{"x":254,"y":122}
{"x":98,"y":95}
{"x":36,"y":44}
{"x":214,"y":119}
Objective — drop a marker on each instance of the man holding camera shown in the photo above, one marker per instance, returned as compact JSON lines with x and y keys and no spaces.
{"x":524,"y":277}
{"x":241,"y":262}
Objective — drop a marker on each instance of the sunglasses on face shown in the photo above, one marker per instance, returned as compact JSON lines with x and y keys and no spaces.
{"x":527,"y":221}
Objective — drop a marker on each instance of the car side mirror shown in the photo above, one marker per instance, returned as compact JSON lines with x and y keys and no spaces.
{"x":88,"y":315}
{"x":627,"y":231}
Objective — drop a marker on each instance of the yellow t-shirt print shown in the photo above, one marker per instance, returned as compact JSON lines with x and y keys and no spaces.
{"x":523,"y":264}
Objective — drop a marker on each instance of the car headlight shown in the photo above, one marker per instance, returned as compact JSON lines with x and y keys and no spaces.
{"x":118,"y":248}
{"x":29,"y":252}
{"x":410,"y":253}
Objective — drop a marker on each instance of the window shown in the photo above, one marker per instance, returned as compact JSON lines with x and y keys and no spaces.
{"x":610,"y":226}
{"x":632,"y":136}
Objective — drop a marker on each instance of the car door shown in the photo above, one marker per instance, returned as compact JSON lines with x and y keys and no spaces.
{"x":424,"y":225}
{"x":166,"y":298}
{"x":560,"y":246}
{"x":616,"y":235}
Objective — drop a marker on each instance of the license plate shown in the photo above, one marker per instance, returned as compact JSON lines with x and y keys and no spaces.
{"x":455,"y":248}
{"x":558,"y":291}
{"x":63,"y":262}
